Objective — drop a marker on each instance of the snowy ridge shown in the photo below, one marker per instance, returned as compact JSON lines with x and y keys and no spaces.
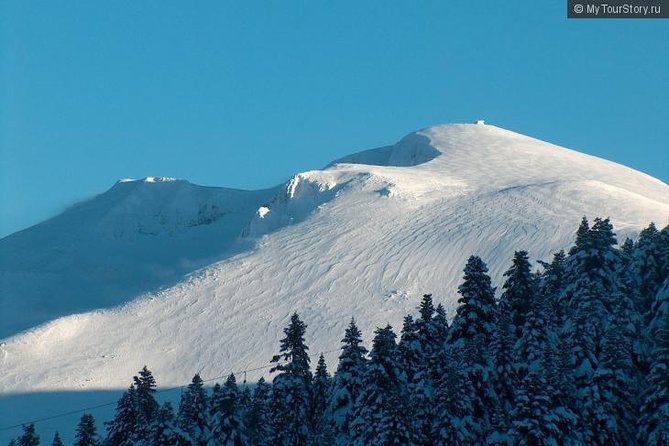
{"x":364,"y":237}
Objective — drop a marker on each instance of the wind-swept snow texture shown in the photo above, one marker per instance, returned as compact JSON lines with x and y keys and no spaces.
{"x":364,"y":237}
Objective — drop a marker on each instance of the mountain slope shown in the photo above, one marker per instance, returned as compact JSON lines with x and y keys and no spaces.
{"x":364,"y":237}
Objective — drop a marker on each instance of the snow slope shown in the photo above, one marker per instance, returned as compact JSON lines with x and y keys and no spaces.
{"x":364,"y":237}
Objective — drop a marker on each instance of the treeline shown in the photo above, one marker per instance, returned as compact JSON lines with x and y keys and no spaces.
{"x":574,"y":354}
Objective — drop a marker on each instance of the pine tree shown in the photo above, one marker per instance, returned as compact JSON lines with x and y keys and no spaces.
{"x":441,"y":323}
{"x":259,"y":420}
{"x":503,"y":376}
{"x":654,"y":414}
{"x":456,"y":424}
{"x":410,"y":348}
{"x":424,"y":370}
{"x":593,"y":293}
{"x":29,"y":436}
{"x":470,"y":335}
{"x":347,"y":383}
{"x":320,"y":395}
{"x":647,"y":268}
{"x":532,"y":423}
{"x":146,"y":404}
{"x":164,"y":431}
{"x":614,"y":378}
{"x":122,"y":429}
{"x":519,"y":292}
{"x":292,"y":386}
{"x":228,"y":428}
{"x":86,"y":434}
{"x":380,"y":418}
{"x":193,"y":419}
{"x":475,"y":317}
{"x":57,"y":441}
{"x":538,"y":416}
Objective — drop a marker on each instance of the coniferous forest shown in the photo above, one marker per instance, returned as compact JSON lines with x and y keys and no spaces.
{"x":574,"y":351}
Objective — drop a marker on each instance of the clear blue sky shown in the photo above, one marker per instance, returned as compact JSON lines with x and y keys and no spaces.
{"x":244,"y":94}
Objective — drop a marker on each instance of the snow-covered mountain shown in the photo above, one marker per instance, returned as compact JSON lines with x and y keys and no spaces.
{"x":187,"y":278}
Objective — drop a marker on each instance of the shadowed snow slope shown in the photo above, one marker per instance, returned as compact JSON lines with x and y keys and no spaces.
{"x":365,"y":237}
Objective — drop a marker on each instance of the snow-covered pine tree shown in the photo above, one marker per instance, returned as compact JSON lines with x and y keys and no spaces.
{"x":29,"y":436}
{"x":323,"y":432}
{"x":410,"y":349}
{"x":615,"y":379}
{"x":647,"y":268}
{"x":193,"y":419}
{"x":122,"y":429}
{"x":455,"y":424}
{"x":57,"y":441}
{"x":441,"y":324}
{"x":347,"y":383}
{"x":519,"y":292}
{"x":423,"y":376}
{"x":552,"y":283}
{"x":146,"y":404}
{"x":475,"y":316}
{"x":503,"y":377}
{"x":227,"y":420}
{"x":258,"y":418}
{"x":532,"y":423}
{"x":86,"y":434}
{"x":291,"y":407}
{"x":380,"y":409}
{"x":538,"y":416}
{"x":245,"y":398}
{"x":654,"y":414}
{"x":593,"y":293}
{"x":470,"y":334}
{"x":164,"y":430}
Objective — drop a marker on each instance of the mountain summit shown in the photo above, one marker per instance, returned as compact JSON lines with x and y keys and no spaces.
{"x":187,"y":278}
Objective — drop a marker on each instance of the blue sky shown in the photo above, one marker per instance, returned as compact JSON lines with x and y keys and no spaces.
{"x":244,"y":94}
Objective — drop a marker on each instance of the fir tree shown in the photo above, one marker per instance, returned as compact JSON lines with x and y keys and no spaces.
{"x":410,"y":348}
{"x":228,"y":428}
{"x":193,"y":419}
{"x":164,"y":431}
{"x":259,"y":420}
{"x":424,"y":372}
{"x":619,"y":407}
{"x":552,"y":283}
{"x":519,"y":292}
{"x":456,"y":424}
{"x":57,"y":441}
{"x":379,"y":409}
{"x":654,"y":416}
{"x":292,"y":386}
{"x":320,"y":395}
{"x":537,"y":418}
{"x":647,"y":265}
{"x":86,"y":434}
{"x":503,"y":374}
{"x":29,"y":436}
{"x":146,"y":404}
{"x":475,"y":317}
{"x":347,"y":383}
{"x":122,"y":429}
{"x":471,"y":332}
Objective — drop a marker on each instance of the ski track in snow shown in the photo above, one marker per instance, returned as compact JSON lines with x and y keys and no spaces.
{"x":359,"y":240}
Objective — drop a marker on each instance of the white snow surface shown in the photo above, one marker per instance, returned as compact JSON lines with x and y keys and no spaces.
{"x":185,"y":278}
